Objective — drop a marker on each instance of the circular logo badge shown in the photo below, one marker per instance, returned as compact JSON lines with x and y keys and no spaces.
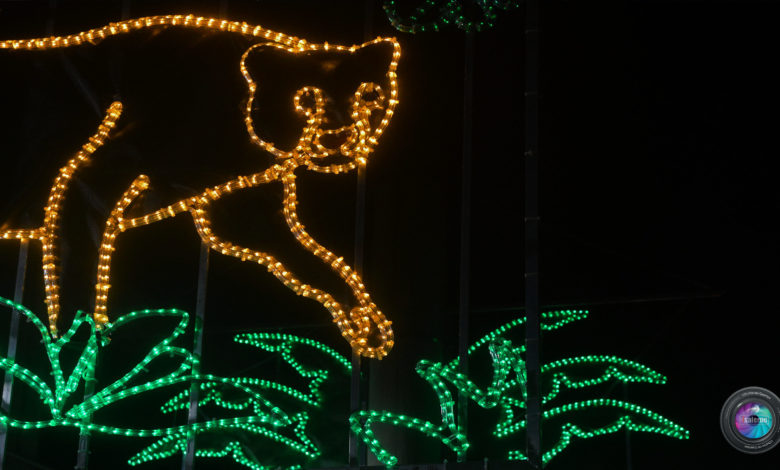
{"x":749,"y":420}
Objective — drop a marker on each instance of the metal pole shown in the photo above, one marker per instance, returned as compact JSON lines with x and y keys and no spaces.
{"x":358,"y":385}
{"x":13,"y":339}
{"x":465,"y":228}
{"x":532,"y":339}
{"x":82,"y":459}
{"x":82,"y":455}
{"x":188,"y":463}
{"x":354,"y":406}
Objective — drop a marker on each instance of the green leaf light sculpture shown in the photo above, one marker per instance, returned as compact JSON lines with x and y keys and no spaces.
{"x":507,"y":393}
{"x":263,"y":419}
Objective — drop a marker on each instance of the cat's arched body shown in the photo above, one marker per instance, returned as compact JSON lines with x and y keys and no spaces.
{"x":363,"y":325}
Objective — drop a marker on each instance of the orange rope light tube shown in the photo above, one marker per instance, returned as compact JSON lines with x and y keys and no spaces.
{"x":364,"y":326}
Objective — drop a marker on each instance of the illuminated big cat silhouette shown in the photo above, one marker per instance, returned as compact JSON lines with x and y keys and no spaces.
{"x":328,"y":142}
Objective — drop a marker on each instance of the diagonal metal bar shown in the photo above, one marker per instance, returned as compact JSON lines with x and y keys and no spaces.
{"x":188,"y":463}
{"x":13,"y":339}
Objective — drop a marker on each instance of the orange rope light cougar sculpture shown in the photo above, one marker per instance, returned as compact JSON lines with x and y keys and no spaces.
{"x":361,"y":325}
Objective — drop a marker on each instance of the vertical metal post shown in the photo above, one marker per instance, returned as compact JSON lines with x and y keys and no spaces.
{"x":465,"y":228}
{"x":358,"y":385}
{"x":358,"y":381}
{"x":13,"y":339}
{"x":82,"y":459}
{"x":82,"y":455}
{"x":188,"y":463}
{"x":531,"y":222}
{"x":354,"y":406}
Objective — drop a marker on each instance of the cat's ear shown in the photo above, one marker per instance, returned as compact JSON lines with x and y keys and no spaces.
{"x":320,"y":101}
{"x":274,"y":76}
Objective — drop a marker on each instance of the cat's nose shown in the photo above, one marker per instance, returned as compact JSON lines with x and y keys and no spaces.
{"x":335,"y":138}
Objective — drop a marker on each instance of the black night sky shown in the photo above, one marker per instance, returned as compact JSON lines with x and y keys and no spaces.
{"x":657,"y":198}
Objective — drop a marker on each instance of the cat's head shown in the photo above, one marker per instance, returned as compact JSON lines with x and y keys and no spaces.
{"x":323,"y":106}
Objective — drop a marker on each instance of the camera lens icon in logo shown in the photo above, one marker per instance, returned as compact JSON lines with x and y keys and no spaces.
{"x":749,"y":420}
{"x":753,"y":420}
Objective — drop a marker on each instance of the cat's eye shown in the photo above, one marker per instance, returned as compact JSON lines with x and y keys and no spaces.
{"x":369,"y":95}
{"x":309,"y":101}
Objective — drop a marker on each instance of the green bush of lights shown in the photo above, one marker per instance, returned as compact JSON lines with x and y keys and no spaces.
{"x":507,"y":392}
{"x":435,"y":14}
{"x":211,"y":393}
{"x":265,"y":421}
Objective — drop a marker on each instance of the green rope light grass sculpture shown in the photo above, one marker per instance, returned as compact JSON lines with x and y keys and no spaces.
{"x":265,"y":420}
{"x":433,"y":15}
{"x":268,"y":421}
{"x":284,"y":345}
{"x":507,"y":392}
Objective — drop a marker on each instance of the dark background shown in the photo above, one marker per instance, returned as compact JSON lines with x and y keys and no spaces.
{"x":658,"y":197}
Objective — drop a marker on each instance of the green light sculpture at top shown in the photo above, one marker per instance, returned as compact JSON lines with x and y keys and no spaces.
{"x":433,"y":15}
